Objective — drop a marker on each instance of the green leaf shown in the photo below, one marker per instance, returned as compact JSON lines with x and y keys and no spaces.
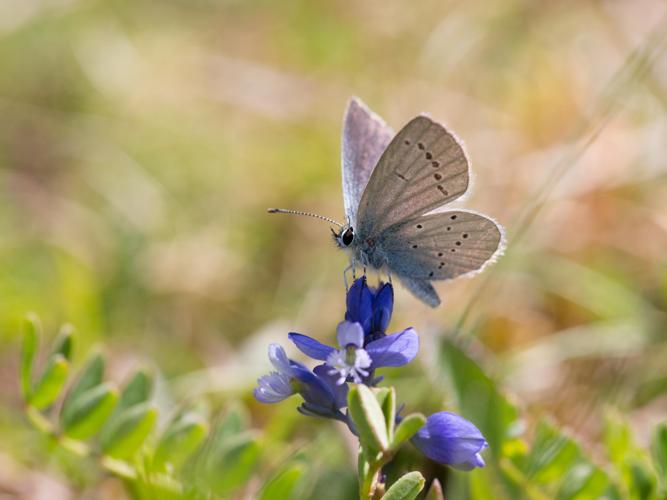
{"x":617,"y":438}
{"x":50,"y":383}
{"x":128,"y":431}
{"x":406,"y":488}
{"x":368,"y":417}
{"x":63,"y":343}
{"x":659,"y":453}
{"x":284,"y":483}
{"x":90,"y":377}
{"x":477,"y":395}
{"x":552,"y":455}
{"x":407,"y":428}
{"x":180,"y":440}
{"x":87,"y":414}
{"x":626,"y":456}
{"x":137,"y":391}
{"x":388,"y":404}
{"x":583,"y":481}
{"x":482,"y":485}
{"x":643,"y":483}
{"x":230,"y":466}
{"x":435,"y":491}
{"x":235,"y":422}
{"x":31,"y":329}
{"x":131,"y":420}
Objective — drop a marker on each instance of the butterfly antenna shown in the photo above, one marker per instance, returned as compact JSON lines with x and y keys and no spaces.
{"x":297,"y":212}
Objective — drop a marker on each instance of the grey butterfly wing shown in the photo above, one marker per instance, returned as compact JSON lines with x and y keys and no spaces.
{"x":423,"y":168}
{"x":365,"y":137}
{"x":440,"y":246}
{"x":422,"y":289}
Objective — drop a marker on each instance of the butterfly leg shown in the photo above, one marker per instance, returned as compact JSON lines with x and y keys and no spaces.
{"x":351,"y":266}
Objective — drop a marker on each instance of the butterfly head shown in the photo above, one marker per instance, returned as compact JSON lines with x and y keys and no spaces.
{"x":344,"y":237}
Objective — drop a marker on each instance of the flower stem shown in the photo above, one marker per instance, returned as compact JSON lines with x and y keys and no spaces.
{"x":369,"y":481}
{"x":369,"y":471}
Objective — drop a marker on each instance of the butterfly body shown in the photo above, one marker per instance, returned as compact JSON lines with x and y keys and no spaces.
{"x":363,"y":251}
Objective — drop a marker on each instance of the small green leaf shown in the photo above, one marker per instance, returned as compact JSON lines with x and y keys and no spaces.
{"x":435,"y":491}
{"x":405,"y":488}
{"x":128,"y":431}
{"x":659,"y":453}
{"x":617,"y":438}
{"x":381,"y":394}
{"x":180,"y":440}
{"x":90,"y":377}
{"x":368,"y":417}
{"x":63,"y":343}
{"x":137,"y":391}
{"x":283,"y":484}
{"x":575,"y":481}
{"x":31,"y":329}
{"x":234,"y":422}
{"x":388,"y":405}
{"x":230,"y":466}
{"x":407,"y":428}
{"x":48,"y":386}
{"x":87,"y":414}
{"x":643,"y":483}
{"x":553,"y":453}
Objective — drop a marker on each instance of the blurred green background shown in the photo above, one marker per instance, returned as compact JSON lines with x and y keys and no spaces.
{"x":141,"y":142}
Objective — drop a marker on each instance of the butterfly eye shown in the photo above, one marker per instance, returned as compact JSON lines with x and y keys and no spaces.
{"x":348,"y":236}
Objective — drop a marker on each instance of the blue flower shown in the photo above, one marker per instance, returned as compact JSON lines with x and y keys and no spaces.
{"x":369,"y":307}
{"x":354,"y":361}
{"x":322,"y":397}
{"x":451,"y":440}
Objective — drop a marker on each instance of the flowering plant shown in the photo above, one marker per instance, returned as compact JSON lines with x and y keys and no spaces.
{"x":345,"y":387}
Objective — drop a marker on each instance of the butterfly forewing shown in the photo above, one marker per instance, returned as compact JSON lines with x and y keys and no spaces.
{"x":423,"y":168}
{"x":441,"y":246}
{"x":365,"y":137}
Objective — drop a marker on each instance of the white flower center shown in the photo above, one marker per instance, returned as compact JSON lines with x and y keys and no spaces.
{"x":349,"y":362}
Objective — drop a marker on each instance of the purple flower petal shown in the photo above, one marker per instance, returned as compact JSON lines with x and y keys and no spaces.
{"x":312,"y":388}
{"x":279,"y":358}
{"x":349,"y":333}
{"x":273,"y":388}
{"x":383,"y":305}
{"x":311,"y":347}
{"x":360,"y":304}
{"x":397,"y":349}
{"x":451,"y":440}
{"x":340,"y":391}
{"x":474,"y":462}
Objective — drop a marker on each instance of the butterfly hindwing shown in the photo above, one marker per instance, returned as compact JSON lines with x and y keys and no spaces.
{"x":441,"y":246}
{"x":422,"y":289}
{"x":423,"y":167}
{"x":365,"y":137}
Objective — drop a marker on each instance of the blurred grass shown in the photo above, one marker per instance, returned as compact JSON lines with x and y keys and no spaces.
{"x":140,"y":143}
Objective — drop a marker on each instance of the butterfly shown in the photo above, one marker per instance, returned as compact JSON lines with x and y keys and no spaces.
{"x":392,"y":186}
